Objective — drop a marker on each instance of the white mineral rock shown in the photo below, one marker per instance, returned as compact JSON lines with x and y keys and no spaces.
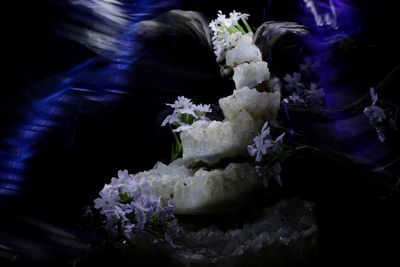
{"x":202,"y":191}
{"x":260,"y":105}
{"x":209,"y":142}
{"x":250,"y":74}
{"x":244,"y":52}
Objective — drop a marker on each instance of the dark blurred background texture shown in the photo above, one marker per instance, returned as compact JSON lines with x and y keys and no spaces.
{"x":64,"y":171}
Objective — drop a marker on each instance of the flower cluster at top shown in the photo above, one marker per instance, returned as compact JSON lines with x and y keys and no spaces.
{"x":133,"y":211}
{"x":235,"y":50}
{"x":267,"y":153}
{"x":185,"y":114}
{"x":227,"y":32}
{"x":374,"y":113}
{"x":301,"y":94}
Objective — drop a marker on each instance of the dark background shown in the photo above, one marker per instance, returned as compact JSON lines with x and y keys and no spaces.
{"x":357,"y":215}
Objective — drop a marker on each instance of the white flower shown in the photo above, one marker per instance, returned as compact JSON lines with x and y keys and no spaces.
{"x":264,"y":145}
{"x":202,"y":108}
{"x":226,"y":32}
{"x":293,"y":82}
{"x":374,"y":113}
{"x":185,"y":113}
{"x":171,"y":119}
{"x":109,"y":197}
{"x":259,"y":148}
{"x":250,"y":74}
{"x":296,"y":99}
{"x":181,"y":103}
{"x":314,"y":95}
{"x":225,"y":42}
{"x":244,"y":52}
{"x":221,"y":23}
{"x":309,"y":66}
{"x":236,"y":16}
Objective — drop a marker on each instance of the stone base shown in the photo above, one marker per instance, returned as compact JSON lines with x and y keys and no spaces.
{"x":285,"y":235}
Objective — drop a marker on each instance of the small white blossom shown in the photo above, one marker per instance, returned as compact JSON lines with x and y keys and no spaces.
{"x":250,"y":74}
{"x":181,"y":102}
{"x":202,"y":109}
{"x":374,"y":113}
{"x":293,"y":82}
{"x":226,"y":32}
{"x":259,"y":148}
{"x":314,"y":95}
{"x":185,"y":113}
{"x":264,"y":145}
{"x":309,"y":66}
{"x":236,"y":16}
{"x":296,"y":99}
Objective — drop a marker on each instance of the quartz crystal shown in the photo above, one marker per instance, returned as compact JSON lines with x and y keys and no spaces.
{"x":243,"y":53}
{"x":210,"y":142}
{"x":250,"y":74}
{"x":203,"y":191}
{"x":260,"y":105}
{"x":286,"y":234}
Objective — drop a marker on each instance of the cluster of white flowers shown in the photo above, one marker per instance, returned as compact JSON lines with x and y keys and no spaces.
{"x":236,"y":46}
{"x":227,"y":32}
{"x":264,"y":148}
{"x":133,"y":210}
{"x":185,"y":114}
{"x":302,"y":95}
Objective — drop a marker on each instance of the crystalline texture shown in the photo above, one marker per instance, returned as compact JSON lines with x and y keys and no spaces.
{"x":260,"y":105}
{"x":203,"y":192}
{"x":209,"y":142}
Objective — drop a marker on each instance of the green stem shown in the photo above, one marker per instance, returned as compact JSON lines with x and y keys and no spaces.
{"x":177,"y":148}
{"x":248,"y":28}
{"x":240,"y":28}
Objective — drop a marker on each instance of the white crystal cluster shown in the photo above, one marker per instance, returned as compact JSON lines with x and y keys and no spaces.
{"x":203,"y":191}
{"x":245,"y":111}
{"x":210,"y":142}
{"x":283,"y":235}
{"x":260,"y":105}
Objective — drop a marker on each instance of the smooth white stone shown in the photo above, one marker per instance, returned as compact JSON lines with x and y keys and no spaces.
{"x":209,"y":142}
{"x":260,"y":105}
{"x":203,"y":192}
